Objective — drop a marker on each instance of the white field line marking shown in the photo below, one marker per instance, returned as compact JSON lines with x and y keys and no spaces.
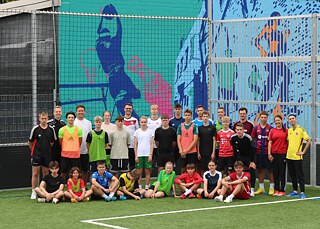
{"x":94,"y":221}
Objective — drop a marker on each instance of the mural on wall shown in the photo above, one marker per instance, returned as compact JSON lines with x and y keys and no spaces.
{"x":113,"y":72}
{"x":269,"y":82}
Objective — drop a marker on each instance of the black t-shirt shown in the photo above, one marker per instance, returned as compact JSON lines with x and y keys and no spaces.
{"x":41,"y":138}
{"x":53,"y":183}
{"x":206,"y":134}
{"x":165,"y":137}
{"x":243,"y":148}
{"x":56,"y":124}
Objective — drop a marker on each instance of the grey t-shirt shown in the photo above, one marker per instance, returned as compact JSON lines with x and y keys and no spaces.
{"x":119,"y":140}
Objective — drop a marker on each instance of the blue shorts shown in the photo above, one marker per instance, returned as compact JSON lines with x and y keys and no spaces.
{"x":263,"y":162}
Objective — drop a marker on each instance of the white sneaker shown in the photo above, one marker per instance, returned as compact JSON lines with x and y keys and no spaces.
{"x":251,"y":194}
{"x":218,"y":199}
{"x":228,"y":199}
{"x":41,"y":200}
{"x":33,"y":195}
{"x":55,"y":200}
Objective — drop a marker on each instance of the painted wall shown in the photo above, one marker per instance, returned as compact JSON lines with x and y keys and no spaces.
{"x":288,"y":82}
{"x":105,"y":62}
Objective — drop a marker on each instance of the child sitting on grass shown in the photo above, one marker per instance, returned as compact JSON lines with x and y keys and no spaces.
{"x":211,"y":182}
{"x":236,"y":185}
{"x":52,"y":185}
{"x":76,"y":187}
{"x":129,"y":186}
{"x":189,"y":181}
{"x":162,"y":187}
{"x":100,"y":183}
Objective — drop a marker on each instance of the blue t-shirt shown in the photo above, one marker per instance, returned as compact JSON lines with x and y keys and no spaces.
{"x":200,"y":122}
{"x":174,"y":122}
{"x":104,"y":179}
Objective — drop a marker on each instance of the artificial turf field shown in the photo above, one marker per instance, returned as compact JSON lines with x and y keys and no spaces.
{"x":261,"y":211}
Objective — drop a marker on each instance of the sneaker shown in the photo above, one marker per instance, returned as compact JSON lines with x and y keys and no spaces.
{"x":218,"y":199}
{"x":122,"y":198}
{"x":55,"y":200}
{"x":199,"y":196}
{"x":33,"y":195}
{"x":259,"y":191}
{"x":271,"y":191}
{"x":294,"y":193}
{"x":191,"y":196}
{"x":74,"y":200}
{"x":302,"y":195}
{"x":276,"y":193}
{"x":183,"y":196}
{"x":252,"y":194}
{"x":114,"y":198}
{"x":41,"y":200}
{"x":108,"y":199}
{"x":86,"y":199}
{"x":281,"y":194}
{"x":228,"y":199}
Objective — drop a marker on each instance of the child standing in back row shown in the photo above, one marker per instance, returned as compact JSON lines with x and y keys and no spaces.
{"x":143,"y":149}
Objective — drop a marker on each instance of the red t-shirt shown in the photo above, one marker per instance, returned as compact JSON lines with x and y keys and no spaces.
{"x":245,"y":194}
{"x":279,"y":141}
{"x":196,"y":178}
{"x":75,"y":183}
{"x":225,"y":147}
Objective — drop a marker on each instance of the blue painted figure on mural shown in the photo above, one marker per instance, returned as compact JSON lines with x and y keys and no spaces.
{"x":279,"y":75}
{"x":108,"y":47}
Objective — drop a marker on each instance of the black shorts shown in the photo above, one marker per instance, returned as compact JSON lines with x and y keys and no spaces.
{"x":84,"y":159}
{"x":190,"y":158}
{"x":119,"y":165}
{"x":263,"y":162}
{"x":162,"y":159}
{"x":209,"y":191}
{"x":225,"y":162}
{"x":132,"y":161}
{"x":204,"y":161}
{"x":152,"y":188}
{"x":68,"y":163}
{"x":246,"y":162}
{"x":93,"y":166}
{"x":130,"y":197}
{"x":37,"y":160}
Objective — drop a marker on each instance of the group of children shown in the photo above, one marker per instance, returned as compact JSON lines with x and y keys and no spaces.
{"x":108,"y":187}
{"x":195,"y":145}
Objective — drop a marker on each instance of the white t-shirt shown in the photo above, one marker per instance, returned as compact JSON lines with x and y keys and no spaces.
{"x":153,"y":125}
{"x":131,"y":125}
{"x":86,"y":126}
{"x":143,"y":138}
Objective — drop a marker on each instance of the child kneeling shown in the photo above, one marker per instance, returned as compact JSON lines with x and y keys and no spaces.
{"x":236,"y":185}
{"x":162,"y":187}
{"x":129,"y":186}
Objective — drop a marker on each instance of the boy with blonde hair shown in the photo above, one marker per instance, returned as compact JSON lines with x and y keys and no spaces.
{"x":97,"y":141}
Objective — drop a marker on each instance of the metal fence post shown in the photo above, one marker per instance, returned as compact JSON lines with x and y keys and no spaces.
{"x":210,"y":56}
{"x":34,"y":66}
{"x":314,"y":106}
